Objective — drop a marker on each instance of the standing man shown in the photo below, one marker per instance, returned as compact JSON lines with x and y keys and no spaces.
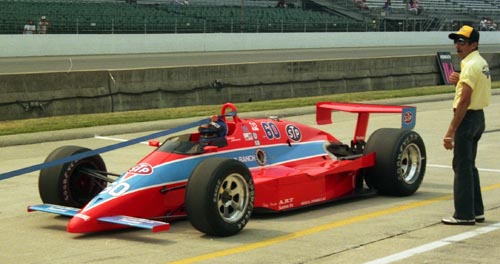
{"x":29,"y":28}
{"x":43,"y":25}
{"x":472,"y":94}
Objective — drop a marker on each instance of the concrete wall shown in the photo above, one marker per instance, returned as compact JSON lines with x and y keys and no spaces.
{"x":55,"y":45}
{"x":53,"y":94}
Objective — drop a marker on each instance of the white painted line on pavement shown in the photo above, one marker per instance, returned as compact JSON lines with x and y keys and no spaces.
{"x":449,"y":167}
{"x":436,"y":244}
{"x":116,"y":139}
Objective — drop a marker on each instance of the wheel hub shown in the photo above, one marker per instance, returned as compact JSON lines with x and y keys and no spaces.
{"x":411,"y":163}
{"x":233,"y":198}
{"x":225,"y":197}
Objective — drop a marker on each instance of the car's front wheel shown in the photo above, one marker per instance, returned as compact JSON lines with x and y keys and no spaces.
{"x":70,"y":184}
{"x":219,"y":197}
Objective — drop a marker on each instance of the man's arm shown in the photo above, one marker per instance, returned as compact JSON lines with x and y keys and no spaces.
{"x":460,"y":112}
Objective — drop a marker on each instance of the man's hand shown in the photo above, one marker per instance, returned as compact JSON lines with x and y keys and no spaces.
{"x":454,"y":77}
{"x":448,"y":143}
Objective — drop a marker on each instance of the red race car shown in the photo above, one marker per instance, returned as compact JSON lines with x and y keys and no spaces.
{"x":231,"y":167}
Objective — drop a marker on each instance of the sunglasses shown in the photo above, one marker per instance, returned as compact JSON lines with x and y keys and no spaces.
{"x":460,"y":41}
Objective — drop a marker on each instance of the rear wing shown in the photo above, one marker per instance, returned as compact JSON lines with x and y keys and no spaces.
{"x":324,"y":115}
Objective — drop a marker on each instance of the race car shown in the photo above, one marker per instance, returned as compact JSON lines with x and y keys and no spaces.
{"x":218,"y":175}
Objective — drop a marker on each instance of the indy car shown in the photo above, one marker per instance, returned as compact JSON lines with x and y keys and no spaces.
{"x":218,"y":175}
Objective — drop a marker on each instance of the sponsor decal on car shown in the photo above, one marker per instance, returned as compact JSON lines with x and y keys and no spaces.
{"x":286,"y":203}
{"x":408,"y":117}
{"x":248,"y":136}
{"x":83,"y":216}
{"x":313,"y":201}
{"x":254,"y":126}
{"x":293,"y":133}
{"x":248,"y":158}
{"x":141,"y":168}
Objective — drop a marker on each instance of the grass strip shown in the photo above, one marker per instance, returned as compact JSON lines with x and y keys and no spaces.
{"x":90,"y":120}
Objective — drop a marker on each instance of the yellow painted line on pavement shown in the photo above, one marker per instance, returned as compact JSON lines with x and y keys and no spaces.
{"x":317,"y":229}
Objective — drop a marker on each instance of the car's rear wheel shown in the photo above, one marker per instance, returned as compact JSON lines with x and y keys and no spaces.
{"x":400,"y":161}
{"x":219,"y":197}
{"x":69,"y":184}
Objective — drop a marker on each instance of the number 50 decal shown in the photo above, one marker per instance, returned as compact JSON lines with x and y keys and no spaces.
{"x":118,"y":189}
{"x":271,"y":130}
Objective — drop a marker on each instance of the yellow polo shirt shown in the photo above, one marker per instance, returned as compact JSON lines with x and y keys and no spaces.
{"x":475,"y":73}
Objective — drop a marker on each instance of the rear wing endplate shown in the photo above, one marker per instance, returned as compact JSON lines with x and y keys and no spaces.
{"x":324,"y":114}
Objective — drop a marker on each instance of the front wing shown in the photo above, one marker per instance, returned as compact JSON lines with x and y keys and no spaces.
{"x":154,"y":226}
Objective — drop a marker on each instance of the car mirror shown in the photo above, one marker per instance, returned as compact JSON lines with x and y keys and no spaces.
{"x":208,"y":149}
{"x":154,"y":143}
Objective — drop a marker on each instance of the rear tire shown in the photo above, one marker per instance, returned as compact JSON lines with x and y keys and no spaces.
{"x":66,"y":184}
{"x":399,"y":163}
{"x":219,"y":197}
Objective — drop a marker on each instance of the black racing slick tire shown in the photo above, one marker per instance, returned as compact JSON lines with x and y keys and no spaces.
{"x":400,"y":161}
{"x":219,"y":197}
{"x":66,"y":184}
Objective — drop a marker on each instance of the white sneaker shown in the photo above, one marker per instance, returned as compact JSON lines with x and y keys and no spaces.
{"x":480,"y":218}
{"x":454,"y":221}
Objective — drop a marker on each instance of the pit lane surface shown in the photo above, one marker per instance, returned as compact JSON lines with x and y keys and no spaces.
{"x":357,"y":231}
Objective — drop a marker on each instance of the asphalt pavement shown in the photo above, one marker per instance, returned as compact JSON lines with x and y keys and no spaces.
{"x":376,"y":229}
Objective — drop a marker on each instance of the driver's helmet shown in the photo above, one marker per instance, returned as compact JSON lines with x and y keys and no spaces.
{"x":208,"y":131}
{"x":215,"y":128}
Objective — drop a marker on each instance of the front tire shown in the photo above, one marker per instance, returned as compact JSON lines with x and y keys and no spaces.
{"x":219,"y":197}
{"x":400,"y":161}
{"x":66,"y":184}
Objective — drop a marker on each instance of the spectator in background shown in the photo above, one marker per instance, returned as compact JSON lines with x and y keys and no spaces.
{"x":494,"y":26}
{"x":361,"y":4}
{"x":43,"y":25}
{"x":413,"y":6}
{"x":482,"y":24}
{"x":486,"y":24}
{"x":281,"y":3}
{"x":29,"y":28}
{"x":387,"y":6}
